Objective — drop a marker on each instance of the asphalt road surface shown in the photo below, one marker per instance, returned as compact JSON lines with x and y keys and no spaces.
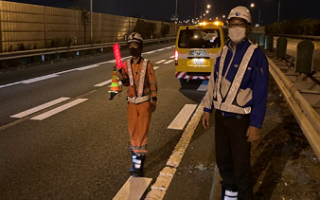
{"x":62,"y":138}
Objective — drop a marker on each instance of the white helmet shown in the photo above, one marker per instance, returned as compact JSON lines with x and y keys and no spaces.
{"x":240,"y":12}
{"x":135,"y":37}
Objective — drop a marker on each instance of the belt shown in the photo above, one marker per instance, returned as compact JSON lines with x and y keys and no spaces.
{"x":233,"y":115}
{"x":137,"y":100}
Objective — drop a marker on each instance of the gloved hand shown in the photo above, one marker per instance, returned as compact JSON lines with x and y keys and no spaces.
{"x":120,"y":76}
{"x":153,"y":103}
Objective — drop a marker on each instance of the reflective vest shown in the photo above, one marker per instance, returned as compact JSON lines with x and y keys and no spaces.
{"x":139,"y":98}
{"x":227,"y":105}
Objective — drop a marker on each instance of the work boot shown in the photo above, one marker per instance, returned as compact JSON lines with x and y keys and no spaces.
{"x":137,"y":168}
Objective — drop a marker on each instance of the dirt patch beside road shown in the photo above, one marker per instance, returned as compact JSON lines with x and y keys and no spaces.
{"x":284,"y":164}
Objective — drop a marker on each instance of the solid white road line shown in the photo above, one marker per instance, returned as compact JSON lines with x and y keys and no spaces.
{"x":149,"y":52}
{"x":58,"y":109}
{"x":203,"y":86}
{"x":88,"y":67}
{"x":63,"y":72}
{"x":78,"y":69}
{"x":10,"y":84}
{"x":38,"y":108}
{"x":169,"y":61}
{"x":160,"y":61}
{"x":41,"y":78}
{"x":133,"y":189}
{"x":182,"y":118}
{"x":111,"y":61}
{"x":103,"y":83}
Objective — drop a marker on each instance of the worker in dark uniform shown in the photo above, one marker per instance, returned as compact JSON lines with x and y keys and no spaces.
{"x":237,"y":91}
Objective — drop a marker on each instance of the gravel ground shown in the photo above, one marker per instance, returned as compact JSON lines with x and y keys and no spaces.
{"x":284,"y":165}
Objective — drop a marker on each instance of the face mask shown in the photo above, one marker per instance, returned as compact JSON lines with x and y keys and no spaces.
{"x":134,"y":52}
{"x":237,"y":34}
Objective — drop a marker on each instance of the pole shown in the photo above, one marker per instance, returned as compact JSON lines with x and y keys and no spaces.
{"x":1,"y":28}
{"x":259,"y":15}
{"x":175,"y":16}
{"x":278,"y":11}
{"x":195,"y":9}
{"x":91,"y":40}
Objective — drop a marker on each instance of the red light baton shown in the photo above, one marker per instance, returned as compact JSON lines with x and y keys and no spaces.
{"x":117,"y":56}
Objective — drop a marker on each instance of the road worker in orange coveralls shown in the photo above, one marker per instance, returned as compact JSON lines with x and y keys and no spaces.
{"x":137,"y":73}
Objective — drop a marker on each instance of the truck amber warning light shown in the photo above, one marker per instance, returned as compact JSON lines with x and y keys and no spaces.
{"x":216,"y":23}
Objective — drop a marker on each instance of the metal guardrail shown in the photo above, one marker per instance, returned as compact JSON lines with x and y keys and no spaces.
{"x":299,"y":36}
{"x":292,"y":36}
{"x":48,"y":51}
{"x":306,"y":116}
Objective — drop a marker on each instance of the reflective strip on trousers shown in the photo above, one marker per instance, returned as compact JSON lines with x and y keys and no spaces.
{"x":230,"y":193}
{"x":138,"y":151}
{"x":227,"y":105}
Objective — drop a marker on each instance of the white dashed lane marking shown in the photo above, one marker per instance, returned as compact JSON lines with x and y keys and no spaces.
{"x":58,"y":109}
{"x":182,"y":118}
{"x":103,"y":83}
{"x":169,"y":61}
{"x":40,"y":107}
{"x":203,"y":86}
{"x":160,"y":61}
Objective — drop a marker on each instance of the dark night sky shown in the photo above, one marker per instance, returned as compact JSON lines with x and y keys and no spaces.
{"x":163,"y":9}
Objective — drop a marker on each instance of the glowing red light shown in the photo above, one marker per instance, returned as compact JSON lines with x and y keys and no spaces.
{"x":117,"y":56}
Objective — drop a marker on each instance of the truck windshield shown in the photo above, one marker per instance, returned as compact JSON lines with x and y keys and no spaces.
{"x":200,"y":38}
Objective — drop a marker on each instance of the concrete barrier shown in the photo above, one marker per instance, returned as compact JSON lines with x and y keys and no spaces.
{"x":281,"y":48}
{"x":269,"y":42}
{"x":304,"y":57}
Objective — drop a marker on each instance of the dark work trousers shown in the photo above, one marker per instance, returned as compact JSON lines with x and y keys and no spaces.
{"x":233,"y":153}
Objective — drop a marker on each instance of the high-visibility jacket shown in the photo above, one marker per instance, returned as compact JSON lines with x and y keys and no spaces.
{"x":141,"y":77}
{"x":239,"y":83}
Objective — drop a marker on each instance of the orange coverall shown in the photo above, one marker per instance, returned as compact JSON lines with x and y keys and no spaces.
{"x":139,"y":115}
